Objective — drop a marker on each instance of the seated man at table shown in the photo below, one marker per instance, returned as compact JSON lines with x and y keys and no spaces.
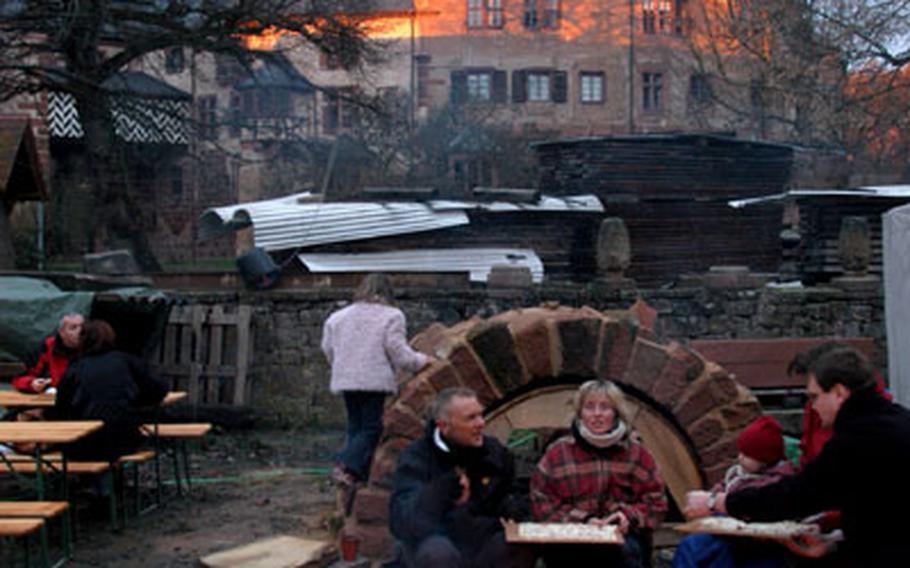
{"x":46,"y":365}
{"x":108,"y":385}
{"x":452,"y":487}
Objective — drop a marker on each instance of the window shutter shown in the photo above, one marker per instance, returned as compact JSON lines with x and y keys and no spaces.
{"x":459,"y":92}
{"x":519,"y":86}
{"x":500,"y":87}
{"x":560,"y":87}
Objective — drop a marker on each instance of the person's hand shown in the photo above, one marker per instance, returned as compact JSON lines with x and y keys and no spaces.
{"x":697,"y":504}
{"x":812,"y":544}
{"x":465,"y":488}
{"x":618,"y":518}
{"x":38,"y":384}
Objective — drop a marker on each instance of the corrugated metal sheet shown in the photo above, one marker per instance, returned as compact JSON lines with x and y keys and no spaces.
{"x":476,"y":261}
{"x":293,"y":221}
{"x":578,"y":203}
{"x":885,"y":191}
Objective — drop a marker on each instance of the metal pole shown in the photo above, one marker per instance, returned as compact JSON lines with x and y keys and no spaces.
{"x":194,"y":227}
{"x":412,"y":101}
{"x":631,"y":66}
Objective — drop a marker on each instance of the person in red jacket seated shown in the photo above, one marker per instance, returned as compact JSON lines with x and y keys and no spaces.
{"x":46,"y":364}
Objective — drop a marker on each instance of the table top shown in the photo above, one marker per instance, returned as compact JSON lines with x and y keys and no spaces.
{"x":47,"y":431}
{"x":172,"y":397}
{"x":10,"y":399}
{"x":13,"y":399}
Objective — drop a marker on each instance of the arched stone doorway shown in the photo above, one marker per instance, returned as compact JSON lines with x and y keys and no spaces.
{"x":524,"y":365}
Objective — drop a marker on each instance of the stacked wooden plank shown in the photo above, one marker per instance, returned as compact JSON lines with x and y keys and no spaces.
{"x":672,"y":192}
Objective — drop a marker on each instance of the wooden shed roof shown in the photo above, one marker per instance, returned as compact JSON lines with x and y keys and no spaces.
{"x":21,"y":176}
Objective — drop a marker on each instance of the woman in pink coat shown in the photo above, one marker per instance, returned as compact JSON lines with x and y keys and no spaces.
{"x":366,"y":345}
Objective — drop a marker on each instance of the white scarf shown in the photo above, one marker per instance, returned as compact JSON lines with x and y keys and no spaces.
{"x":440,"y":443}
{"x":605,"y":440}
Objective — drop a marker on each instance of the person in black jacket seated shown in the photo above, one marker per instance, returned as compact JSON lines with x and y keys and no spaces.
{"x":452,"y":487}
{"x":108,"y":385}
{"x":862,"y":471}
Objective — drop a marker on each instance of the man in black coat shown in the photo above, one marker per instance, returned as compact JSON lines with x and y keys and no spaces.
{"x":863,"y":470}
{"x":452,"y":487}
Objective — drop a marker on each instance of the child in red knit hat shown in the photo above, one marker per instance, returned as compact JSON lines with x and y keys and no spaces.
{"x":761,"y":459}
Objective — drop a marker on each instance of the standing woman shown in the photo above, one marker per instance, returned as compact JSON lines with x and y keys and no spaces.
{"x":108,"y":385}
{"x":366,"y":344}
{"x":600,"y":474}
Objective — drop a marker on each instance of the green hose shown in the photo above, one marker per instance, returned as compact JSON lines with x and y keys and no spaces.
{"x":254,"y":475}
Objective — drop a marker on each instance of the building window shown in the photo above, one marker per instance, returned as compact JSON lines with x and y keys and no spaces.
{"x":529,"y":16}
{"x":206,"y":109}
{"x":538,"y":87}
{"x":699,"y":90}
{"x":551,"y":14}
{"x":592,"y":87}
{"x":475,"y":13}
{"x":661,"y":16}
{"x":174,"y":61}
{"x":261,"y":103}
{"x":480,"y":86}
{"x":652,"y":91}
{"x":494,"y":13}
{"x":339,"y":113}
{"x":541,"y":14}
{"x":664,"y":17}
{"x":485,"y":13}
{"x":648,"y":17}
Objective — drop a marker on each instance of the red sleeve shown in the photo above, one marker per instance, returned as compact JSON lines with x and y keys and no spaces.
{"x":36,"y":364}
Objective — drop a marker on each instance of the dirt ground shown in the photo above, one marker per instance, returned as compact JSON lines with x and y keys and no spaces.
{"x":249,"y":485}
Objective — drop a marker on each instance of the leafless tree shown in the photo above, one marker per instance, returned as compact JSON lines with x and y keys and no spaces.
{"x":74,"y":47}
{"x":825,"y":72}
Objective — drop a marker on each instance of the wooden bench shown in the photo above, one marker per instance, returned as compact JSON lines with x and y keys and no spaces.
{"x":53,"y":463}
{"x":179,"y":434}
{"x":22,"y":463}
{"x":43,"y":510}
{"x":762,"y":363}
{"x":22,"y":518}
{"x":20,"y":527}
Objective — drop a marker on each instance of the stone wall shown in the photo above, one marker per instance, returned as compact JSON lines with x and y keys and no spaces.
{"x":290,"y":376}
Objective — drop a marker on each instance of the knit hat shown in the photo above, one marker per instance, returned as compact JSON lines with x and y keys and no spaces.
{"x":762,"y":440}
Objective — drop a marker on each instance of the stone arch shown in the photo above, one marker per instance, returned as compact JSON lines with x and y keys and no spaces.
{"x":524,"y":364}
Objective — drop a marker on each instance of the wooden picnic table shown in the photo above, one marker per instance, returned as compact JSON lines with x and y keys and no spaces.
{"x":47,"y":431}
{"x":16,"y":399}
{"x":38,"y":433}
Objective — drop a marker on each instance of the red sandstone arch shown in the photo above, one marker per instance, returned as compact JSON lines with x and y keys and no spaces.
{"x":676,"y":393}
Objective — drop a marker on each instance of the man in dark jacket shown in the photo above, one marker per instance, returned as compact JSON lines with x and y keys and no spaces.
{"x":862,"y":470}
{"x":452,"y":487}
{"x":45,"y":366}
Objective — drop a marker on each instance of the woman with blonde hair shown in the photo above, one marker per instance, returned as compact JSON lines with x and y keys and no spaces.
{"x":365,"y":344}
{"x":600,"y":473}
